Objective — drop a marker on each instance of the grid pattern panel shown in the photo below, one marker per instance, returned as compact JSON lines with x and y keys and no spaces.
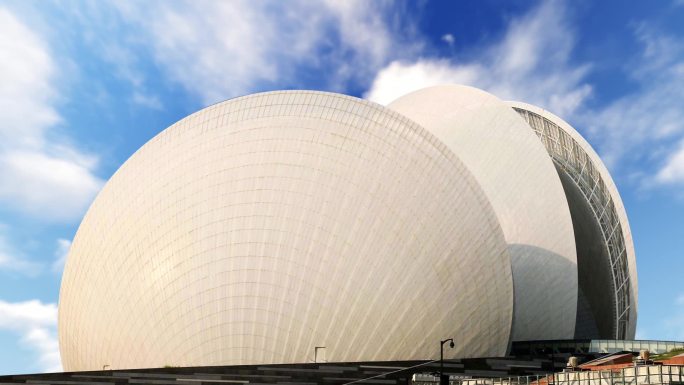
{"x":262,"y":227}
{"x":577,"y":164}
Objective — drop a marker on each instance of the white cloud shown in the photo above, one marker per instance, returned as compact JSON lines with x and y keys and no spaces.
{"x":146,"y":100}
{"x":680,"y":299}
{"x":10,"y":261}
{"x":36,"y":323}
{"x":530,"y":63}
{"x":647,"y":126}
{"x":25,"y":88}
{"x":399,"y":78}
{"x":218,"y":50}
{"x":124,"y":63}
{"x":363,"y":31}
{"x":61,"y":254}
{"x":40,"y":176}
{"x":673,"y":169}
{"x":46,"y":185}
{"x":449,"y":39}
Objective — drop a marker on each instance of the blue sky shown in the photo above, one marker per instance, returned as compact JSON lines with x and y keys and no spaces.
{"x":85,"y":84}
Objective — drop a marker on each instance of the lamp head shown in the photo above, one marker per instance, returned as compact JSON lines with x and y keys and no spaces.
{"x":451,"y":344}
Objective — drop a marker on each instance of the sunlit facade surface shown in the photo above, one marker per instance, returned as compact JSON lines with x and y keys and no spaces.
{"x":277,"y":226}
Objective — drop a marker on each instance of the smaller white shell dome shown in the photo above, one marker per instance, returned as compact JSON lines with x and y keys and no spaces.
{"x":519,"y":179}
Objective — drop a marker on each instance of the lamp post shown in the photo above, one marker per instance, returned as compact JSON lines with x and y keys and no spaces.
{"x":441,"y":359}
{"x":548,"y":351}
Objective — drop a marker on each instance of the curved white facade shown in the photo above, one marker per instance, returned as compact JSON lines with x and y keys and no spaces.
{"x":518,"y":177}
{"x":260,"y":228}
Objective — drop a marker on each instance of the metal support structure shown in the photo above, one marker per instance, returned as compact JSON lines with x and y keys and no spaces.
{"x":569,"y":156}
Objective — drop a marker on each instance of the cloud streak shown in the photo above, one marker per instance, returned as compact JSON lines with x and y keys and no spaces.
{"x":61,"y":254}
{"x":42,"y":175}
{"x":219,"y":50}
{"x":36,"y":323}
{"x":9,"y":261}
{"x":644,"y":130}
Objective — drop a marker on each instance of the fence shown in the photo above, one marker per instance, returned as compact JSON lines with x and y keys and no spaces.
{"x":633,"y":375}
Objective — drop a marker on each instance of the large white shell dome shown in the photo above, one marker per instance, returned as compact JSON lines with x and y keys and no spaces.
{"x":264,"y":226}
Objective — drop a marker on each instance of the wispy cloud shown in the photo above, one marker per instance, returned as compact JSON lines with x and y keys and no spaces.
{"x":672,"y":170}
{"x":53,"y":187}
{"x":109,"y":35}
{"x":449,"y":39}
{"x":220,"y":50}
{"x":61,"y":254}
{"x":531,"y":62}
{"x":644,"y":129}
{"x":26,"y":93}
{"x":11,"y":261}
{"x":146,"y":100}
{"x":639,"y":135}
{"x":42,"y":175}
{"x":36,"y":323}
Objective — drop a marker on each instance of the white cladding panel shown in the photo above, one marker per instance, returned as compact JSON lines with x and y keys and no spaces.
{"x":520,"y":181}
{"x":258,"y":228}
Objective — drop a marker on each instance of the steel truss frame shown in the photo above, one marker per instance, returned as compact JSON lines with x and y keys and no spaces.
{"x":571,"y":159}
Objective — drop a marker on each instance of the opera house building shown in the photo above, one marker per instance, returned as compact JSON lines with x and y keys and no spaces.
{"x":287,"y":226}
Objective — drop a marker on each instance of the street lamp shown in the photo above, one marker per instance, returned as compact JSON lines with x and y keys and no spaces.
{"x":441,"y":360}
{"x":549,"y":352}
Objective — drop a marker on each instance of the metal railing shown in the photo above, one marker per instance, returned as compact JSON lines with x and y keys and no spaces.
{"x":632,"y":375}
